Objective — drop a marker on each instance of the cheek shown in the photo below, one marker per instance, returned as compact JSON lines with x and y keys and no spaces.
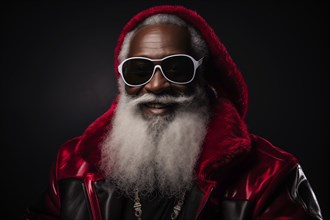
{"x":133,"y":90}
{"x":185,"y":89}
{"x":188,"y":89}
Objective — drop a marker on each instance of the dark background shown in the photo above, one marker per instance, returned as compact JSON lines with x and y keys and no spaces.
{"x":57,"y":77}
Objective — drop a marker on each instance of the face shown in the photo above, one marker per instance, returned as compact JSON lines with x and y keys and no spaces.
{"x":155,"y":42}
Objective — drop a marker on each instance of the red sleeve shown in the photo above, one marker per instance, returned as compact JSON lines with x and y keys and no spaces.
{"x":293,"y":199}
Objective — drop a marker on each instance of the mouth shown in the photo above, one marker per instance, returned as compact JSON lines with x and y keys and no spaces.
{"x":157,"y":109}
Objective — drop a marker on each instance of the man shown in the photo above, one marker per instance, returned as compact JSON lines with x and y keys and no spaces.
{"x":174,"y":144}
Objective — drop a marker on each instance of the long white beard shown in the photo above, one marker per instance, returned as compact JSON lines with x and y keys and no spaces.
{"x":155,"y":153}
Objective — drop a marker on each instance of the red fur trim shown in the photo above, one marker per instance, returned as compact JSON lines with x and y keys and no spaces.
{"x":226,"y":139}
{"x":226,"y":77}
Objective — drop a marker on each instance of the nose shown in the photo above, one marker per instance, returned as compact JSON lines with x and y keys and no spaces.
{"x":158,"y":83}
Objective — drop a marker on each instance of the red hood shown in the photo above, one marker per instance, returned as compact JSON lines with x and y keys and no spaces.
{"x":223,"y":73}
{"x":227,"y":135}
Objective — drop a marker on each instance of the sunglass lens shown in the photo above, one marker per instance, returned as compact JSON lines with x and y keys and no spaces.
{"x":137,"y":71}
{"x":178,"y":68}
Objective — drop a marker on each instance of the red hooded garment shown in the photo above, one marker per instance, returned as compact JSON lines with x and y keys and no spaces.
{"x":240,"y":175}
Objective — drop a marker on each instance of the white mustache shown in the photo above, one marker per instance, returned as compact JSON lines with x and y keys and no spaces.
{"x":165,"y":99}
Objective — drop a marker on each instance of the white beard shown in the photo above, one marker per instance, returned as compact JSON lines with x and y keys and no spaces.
{"x":156,"y":153}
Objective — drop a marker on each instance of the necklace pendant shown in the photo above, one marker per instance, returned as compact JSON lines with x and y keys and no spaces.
{"x":137,"y":206}
{"x":138,"y":211}
{"x":175,"y":213}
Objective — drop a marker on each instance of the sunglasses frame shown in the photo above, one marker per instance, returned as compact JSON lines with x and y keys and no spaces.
{"x":196,"y":63}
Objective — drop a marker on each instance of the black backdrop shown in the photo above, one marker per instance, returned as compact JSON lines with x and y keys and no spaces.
{"x":57,"y":77}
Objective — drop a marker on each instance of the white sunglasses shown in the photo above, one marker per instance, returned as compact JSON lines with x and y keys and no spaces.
{"x":177,"y":68}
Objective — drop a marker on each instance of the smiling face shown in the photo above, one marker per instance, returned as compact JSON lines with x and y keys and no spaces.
{"x":156,"y":42}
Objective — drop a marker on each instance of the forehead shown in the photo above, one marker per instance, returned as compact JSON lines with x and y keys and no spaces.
{"x":159,"y":40}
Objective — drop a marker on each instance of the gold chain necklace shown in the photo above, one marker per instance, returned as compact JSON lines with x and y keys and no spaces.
{"x":138,"y":206}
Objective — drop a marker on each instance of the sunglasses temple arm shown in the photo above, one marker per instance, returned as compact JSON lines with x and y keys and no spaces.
{"x":200,"y":61}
